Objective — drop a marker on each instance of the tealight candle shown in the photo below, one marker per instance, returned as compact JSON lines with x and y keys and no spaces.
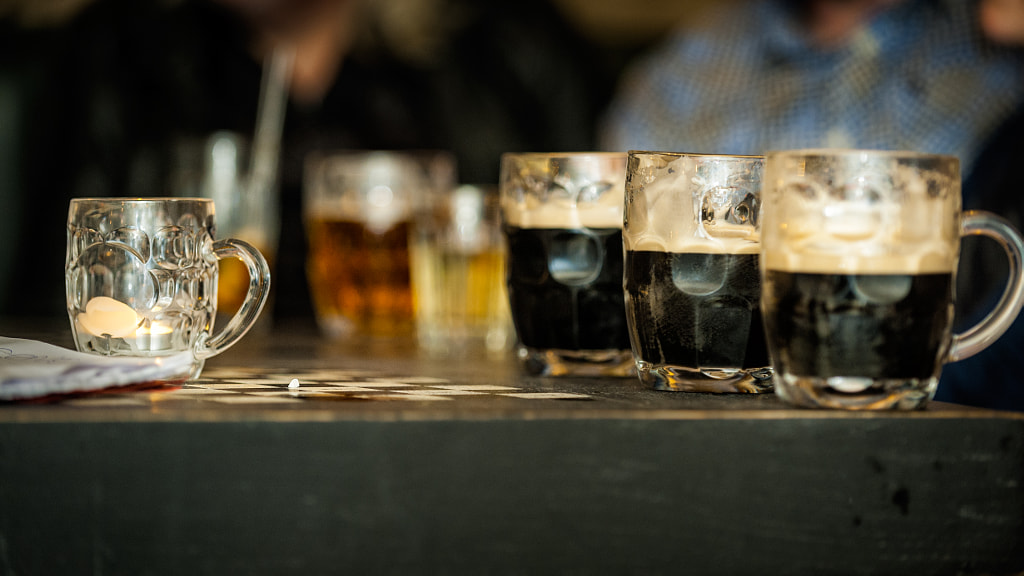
{"x":157,"y":336}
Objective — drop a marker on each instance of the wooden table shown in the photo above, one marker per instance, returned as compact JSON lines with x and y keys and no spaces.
{"x":382,"y":461}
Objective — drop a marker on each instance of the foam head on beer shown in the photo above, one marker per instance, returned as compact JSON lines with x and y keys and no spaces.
{"x":375,"y":188}
{"x":693,"y":203}
{"x":574,"y":191}
{"x":867,"y":213}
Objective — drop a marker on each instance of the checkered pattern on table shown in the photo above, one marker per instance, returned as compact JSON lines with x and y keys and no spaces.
{"x":262,"y":386}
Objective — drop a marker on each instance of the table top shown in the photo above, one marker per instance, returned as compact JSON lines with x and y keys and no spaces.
{"x":297,"y":375}
{"x":384,"y":460}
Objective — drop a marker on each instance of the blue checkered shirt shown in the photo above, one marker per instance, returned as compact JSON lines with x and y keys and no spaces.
{"x":918,"y":76}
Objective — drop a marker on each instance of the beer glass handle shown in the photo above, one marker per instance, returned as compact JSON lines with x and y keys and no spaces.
{"x":984,"y":333}
{"x":259,"y":289}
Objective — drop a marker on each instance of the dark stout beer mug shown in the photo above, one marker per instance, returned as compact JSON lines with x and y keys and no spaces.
{"x":692,"y":280}
{"x":562,"y":215}
{"x":859,"y":253}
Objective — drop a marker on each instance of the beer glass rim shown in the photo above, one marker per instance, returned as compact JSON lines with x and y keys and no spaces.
{"x":859,"y":152}
{"x":142,"y":200}
{"x":555,"y":155}
{"x":338,"y":154}
{"x":705,"y":155}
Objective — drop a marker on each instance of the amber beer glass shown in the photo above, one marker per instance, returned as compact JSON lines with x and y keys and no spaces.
{"x":458,"y":275}
{"x":859,"y":253}
{"x":358,"y":209}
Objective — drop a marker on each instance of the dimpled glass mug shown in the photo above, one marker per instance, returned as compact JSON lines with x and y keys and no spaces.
{"x":859,"y":259}
{"x":359,"y":208}
{"x":141,"y":278}
{"x":562,"y":216}
{"x":692,"y":280}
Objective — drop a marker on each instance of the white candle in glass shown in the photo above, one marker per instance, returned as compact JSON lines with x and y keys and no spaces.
{"x":157,"y":336}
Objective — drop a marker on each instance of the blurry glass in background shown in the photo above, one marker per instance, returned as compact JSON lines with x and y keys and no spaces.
{"x":241,"y":178}
{"x":359,"y":209}
{"x":127,"y":80}
{"x":458,"y":274}
{"x":217,"y":167}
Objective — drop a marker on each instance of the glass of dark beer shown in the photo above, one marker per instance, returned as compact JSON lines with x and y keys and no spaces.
{"x":562,"y":216}
{"x":859,"y":256}
{"x":692,"y":281}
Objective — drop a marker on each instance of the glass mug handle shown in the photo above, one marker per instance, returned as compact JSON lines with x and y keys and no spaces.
{"x":984,"y":333}
{"x":255,"y":298}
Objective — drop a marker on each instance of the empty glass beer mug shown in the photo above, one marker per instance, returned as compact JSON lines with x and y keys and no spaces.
{"x":141,"y":278}
{"x":692,"y":281}
{"x":859,"y":254}
{"x":562,"y":215}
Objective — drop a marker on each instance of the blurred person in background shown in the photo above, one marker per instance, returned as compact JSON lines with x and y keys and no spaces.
{"x":937,"y":76}
{"x":778,"y":74}
{"x":133,"y":79}
{"x":994,"y":377}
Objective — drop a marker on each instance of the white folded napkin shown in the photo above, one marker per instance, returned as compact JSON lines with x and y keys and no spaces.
{"x":31,"y":369}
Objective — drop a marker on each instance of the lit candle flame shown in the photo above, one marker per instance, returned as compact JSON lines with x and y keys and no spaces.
{"x":155,"y":329}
